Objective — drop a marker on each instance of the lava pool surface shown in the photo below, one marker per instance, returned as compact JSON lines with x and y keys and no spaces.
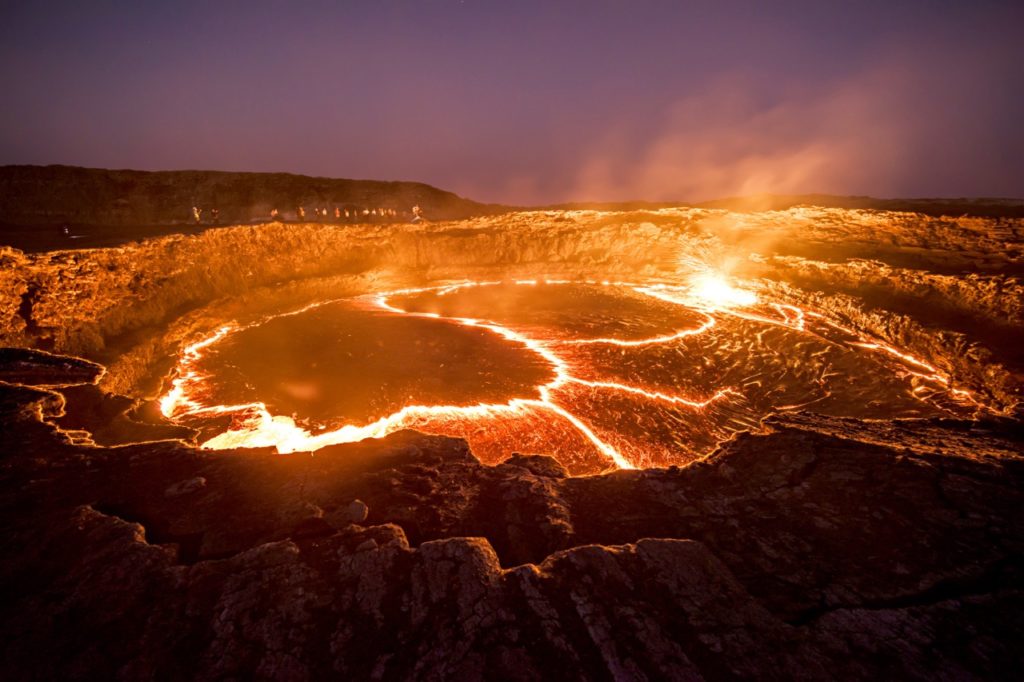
{"x":597,"y":374}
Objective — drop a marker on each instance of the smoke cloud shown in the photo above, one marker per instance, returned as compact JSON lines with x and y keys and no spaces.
{"x":899,"y":129}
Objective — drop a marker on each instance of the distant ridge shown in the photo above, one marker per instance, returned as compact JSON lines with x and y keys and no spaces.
{"x":66,"y":207}
{"x":45,"y":208}
{"x":49,"y":195}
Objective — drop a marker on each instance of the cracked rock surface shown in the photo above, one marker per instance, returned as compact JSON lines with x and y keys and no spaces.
{"x":814,"y":550}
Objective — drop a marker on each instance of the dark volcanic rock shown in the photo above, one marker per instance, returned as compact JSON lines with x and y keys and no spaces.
{"x":811,"y":551}
{"x":38,"y":368}
{"x":102,"y":207}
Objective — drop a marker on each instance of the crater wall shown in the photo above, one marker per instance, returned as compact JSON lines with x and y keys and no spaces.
{"x":944,"y":288}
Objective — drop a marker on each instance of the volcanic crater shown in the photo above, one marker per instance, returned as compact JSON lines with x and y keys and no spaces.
{"x":533,"y":443}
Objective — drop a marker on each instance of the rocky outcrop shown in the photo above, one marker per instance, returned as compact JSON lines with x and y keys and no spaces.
{"x":820,"y":548}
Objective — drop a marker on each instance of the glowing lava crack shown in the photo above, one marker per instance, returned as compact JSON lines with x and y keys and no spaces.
{"x":585,"y":404}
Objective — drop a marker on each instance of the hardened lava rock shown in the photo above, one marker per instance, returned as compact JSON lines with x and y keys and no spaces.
{"x":817,"y":549}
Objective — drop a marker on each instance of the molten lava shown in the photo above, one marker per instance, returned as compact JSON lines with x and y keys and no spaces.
{"x":719,"y":293}
{"x":600,"y":374}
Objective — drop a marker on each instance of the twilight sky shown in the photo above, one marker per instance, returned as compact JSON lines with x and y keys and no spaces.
{"x":530,"y":102}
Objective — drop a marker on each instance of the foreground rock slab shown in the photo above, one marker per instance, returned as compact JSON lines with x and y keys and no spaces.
{"x":821,"y":548}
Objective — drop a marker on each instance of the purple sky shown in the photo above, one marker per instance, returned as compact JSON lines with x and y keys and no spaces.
{"x":530,"y":102}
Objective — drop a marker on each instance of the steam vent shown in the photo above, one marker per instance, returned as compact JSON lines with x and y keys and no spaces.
{"x":471,"y":442}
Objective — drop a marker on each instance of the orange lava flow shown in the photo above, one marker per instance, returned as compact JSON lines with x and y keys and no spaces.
{"x":254,"y":426}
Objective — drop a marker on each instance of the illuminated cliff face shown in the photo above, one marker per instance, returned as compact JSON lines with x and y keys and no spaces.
{"x":599,"y":374}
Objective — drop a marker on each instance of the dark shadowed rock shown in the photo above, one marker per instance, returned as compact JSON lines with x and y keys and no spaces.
{"x":808,"y":552}
{"x":48,"y":207}
{"x":39,"y":368}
